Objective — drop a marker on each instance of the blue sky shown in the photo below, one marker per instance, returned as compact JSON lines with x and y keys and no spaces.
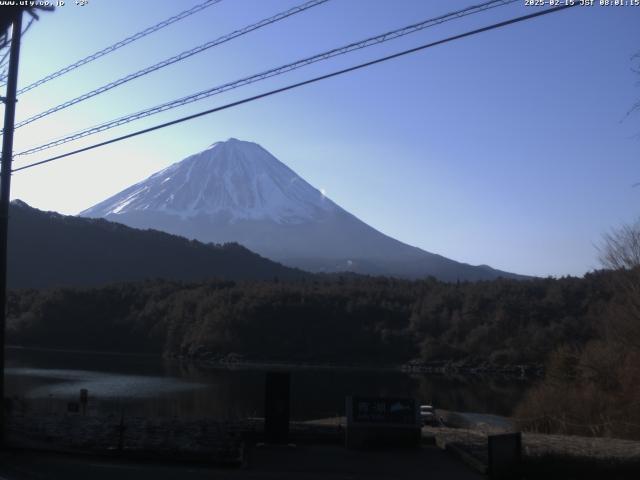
{"x":511,"y":148}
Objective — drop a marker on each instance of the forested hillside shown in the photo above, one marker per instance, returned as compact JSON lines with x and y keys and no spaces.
{"x":48,"y":249}
{"x":346,"y":320}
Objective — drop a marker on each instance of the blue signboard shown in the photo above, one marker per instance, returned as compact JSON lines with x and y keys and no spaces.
{"x":384,"y":410}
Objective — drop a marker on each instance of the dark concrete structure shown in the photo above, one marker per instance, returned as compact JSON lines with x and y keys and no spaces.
{"x":277,"y":407}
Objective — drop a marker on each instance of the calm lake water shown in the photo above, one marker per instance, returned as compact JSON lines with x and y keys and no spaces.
{"x":152,"y":386}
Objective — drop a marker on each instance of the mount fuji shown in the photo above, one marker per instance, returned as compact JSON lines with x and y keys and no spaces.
{"x":236,"y":191}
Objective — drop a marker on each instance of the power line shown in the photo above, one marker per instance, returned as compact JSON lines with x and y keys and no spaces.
{"x":300,"y":84}
{"x":176,"y":58}
{"x":6,"y":54}
{"x":385,"y":37}
{"x":26,"y":29}
{"x":120,"y":44}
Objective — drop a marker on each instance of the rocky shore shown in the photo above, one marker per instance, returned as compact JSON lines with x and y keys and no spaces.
{"x":444,"y":367}
{"x":472,"y":367}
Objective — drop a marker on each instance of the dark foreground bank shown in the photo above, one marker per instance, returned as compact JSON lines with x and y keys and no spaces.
{"x":56,"y":446}
{"x":306,"y":462}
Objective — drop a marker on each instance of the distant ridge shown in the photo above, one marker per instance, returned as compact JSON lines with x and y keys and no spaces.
{"x":48,"y":249}
{"x":237,"y":191}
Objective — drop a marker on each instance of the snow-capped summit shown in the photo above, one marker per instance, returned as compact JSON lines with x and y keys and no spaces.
{"x":236,"y":191}
{"x":234,"y":180}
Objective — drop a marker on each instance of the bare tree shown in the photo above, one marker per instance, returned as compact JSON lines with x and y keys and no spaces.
{"x":620,"y":248}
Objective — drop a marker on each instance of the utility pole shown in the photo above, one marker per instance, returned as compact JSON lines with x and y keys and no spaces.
{"x":5,"y":190}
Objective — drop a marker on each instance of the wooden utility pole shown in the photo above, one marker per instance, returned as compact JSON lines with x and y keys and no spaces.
{"x":5,"y":190}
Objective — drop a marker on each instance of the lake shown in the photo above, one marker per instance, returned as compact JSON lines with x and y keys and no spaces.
{"x":140,"y":385}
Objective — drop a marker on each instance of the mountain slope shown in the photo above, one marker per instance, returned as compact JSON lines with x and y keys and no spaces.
{"x":237,"y":191}
{"x":48,"y":249}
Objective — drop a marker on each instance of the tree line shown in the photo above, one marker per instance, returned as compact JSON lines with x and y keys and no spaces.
{"x":332,"y":319}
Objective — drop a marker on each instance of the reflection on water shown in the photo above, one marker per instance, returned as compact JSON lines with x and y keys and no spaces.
{"x":104,"y":385}
{"x":151,"y":386}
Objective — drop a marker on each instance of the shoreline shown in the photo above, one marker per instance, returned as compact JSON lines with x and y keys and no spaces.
{"x":239,"y":362}
{"x":231,"y":361}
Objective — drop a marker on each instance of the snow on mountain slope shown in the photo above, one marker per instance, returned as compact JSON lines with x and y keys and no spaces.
{"x":234,"y":179}
{"x":236,"y":191}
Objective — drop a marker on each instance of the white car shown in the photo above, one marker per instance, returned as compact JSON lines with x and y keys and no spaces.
{"x":427,"y":415}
